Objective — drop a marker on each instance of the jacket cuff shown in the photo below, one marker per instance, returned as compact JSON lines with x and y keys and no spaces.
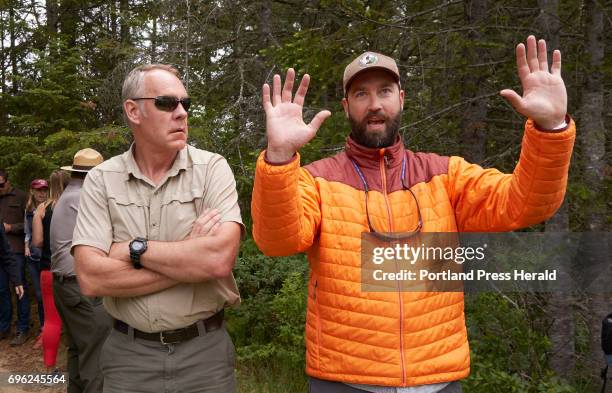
{"x":278,"y":163}
{"x":568,"y":119}
{"x":568,"y":132}
{"x":272,"y":168}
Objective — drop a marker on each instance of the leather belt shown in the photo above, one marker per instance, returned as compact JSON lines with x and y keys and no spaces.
{"x":62,"y":279}
{"x":174,"y":336}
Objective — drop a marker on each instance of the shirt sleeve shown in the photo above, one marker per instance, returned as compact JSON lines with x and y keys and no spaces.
{"x":220,"y":191}
{"x":93,"y":226}
{"x":27,"y":228}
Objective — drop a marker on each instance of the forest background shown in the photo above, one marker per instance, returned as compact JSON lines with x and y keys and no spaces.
{"x":62,"y":63}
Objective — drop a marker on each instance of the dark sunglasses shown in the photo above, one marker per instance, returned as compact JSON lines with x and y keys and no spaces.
{"x":168,"y":103}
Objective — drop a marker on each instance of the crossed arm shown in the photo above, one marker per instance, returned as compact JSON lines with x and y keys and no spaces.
{"x":209,"y":252}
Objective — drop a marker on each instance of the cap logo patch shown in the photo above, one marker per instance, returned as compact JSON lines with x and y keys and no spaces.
{"x":368,"y":59}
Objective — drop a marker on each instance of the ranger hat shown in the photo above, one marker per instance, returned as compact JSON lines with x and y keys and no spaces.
{"x":369,"y":61}
{"x":84,"y":160}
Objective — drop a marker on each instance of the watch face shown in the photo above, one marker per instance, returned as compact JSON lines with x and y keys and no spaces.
{"x":137,"y":246}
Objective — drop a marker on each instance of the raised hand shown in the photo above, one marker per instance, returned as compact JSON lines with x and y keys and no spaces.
{"x":544,"y":96}
{"x":285,"y":126}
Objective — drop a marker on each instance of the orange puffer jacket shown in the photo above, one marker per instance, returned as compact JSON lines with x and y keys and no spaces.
{"x":401,"y":338}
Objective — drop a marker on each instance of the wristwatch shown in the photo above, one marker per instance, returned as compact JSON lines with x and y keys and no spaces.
{"x":137,"y":247}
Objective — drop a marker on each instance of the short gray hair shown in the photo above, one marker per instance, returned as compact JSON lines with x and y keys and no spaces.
{"x":132,"y":85}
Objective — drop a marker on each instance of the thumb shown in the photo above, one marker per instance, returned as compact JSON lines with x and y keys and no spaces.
{"x":513,"y":98}
{"x":318,"y":120}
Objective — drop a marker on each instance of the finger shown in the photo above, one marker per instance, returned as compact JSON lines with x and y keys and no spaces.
{"x":210,"y":223}
{"x":521,"y":61}
{"x":542,"y":55}
{"x":214,"y":229}
{"x":300,"y":94}
{"x":532,"y":54}
{"x":206,"y":215}
{"x":555,"y":69}
{"x":318,"y":120}
{"x":513,"y":98}
{"x":276,"y":90}
{"x":265,"y":97}
{"x":288,"y":88}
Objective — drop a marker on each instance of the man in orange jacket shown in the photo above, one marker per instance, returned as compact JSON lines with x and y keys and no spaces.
{"x":396,"y":341}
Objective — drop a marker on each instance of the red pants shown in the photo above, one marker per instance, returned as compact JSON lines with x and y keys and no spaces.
{"x":52,"y":330}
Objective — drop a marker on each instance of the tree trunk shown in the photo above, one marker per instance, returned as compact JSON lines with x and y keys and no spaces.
{"x":473,"y":124}
{"x":153,"y":48}
{"x":559,"y":309}
{"x":125,"y":24}
{"x":113,"y":18}
{"x":592,"y":138}
{"x":51,"y":11}
{"x":2,"y":55}
{"x":13,"y":50}
{"x":68,"y":17}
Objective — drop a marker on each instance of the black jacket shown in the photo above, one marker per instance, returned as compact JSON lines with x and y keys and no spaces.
{"x":8,"y":263}
{"x":12,"y":208}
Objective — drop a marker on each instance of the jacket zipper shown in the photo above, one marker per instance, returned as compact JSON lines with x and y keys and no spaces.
{"x":383,"y":162}
{"x":316,"y":283}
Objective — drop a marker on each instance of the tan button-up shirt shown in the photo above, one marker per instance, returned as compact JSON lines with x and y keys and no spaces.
{"x":118,"y":203}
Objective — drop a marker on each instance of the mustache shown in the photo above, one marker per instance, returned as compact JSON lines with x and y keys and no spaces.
{"x":378,"y":114}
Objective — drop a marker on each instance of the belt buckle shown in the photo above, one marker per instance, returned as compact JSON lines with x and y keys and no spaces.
{"x":163,"y":340}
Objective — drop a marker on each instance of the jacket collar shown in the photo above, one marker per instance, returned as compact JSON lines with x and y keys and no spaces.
{"x":368,"y":157}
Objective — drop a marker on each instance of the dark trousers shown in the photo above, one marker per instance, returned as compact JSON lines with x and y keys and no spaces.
{"x":6,"y":305}
{"x":86,"y":325}
{"x":322,"y":386}
{"x":34,"y":267}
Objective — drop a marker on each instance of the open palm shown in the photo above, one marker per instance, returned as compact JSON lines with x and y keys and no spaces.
{"x":285,"y":127}
{"x":544,"y":96}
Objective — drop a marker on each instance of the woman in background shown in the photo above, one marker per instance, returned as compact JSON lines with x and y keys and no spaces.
{"x":41,"y":237}
{"x":39,"y":191}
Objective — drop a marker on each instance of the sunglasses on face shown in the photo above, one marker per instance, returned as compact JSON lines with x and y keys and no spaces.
{"x":168,"y":103}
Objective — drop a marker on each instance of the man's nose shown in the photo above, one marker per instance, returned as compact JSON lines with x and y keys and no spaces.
{"x":180,"y":111}
{"x":374,"y":103}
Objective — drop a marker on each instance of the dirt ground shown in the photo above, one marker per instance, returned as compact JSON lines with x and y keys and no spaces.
{"x":27,"y":359}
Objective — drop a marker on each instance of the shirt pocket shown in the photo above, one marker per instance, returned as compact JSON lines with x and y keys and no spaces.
{"x":129,"y":216}
{"x":177,"y":214}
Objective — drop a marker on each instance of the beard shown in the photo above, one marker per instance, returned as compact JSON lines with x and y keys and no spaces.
{"x":376,"y":139}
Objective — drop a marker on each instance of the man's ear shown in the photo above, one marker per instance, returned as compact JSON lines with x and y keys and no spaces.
{"x":345,"y":106}
{"x":132,"y":111}
{"x":401,"y":96}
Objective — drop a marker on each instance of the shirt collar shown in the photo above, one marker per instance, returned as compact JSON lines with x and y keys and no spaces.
{"x":180,"y":163}
{"x":369,"y":157}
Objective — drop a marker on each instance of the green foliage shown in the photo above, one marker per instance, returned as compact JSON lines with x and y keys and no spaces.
{"x":29,"y":167}
{"x":54,"y":96}
{"x":269,"y":324}
{"x":508,"y":346}
{"x":63,"y":95}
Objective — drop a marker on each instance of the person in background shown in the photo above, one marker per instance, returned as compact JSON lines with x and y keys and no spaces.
{"x":8,"y":266}
{"x":86,"y":323}
{"x":39,"y":191}
{"x":41,"y":238}
{"x":12,"y":206}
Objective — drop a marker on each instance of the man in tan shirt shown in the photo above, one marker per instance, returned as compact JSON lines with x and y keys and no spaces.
{"x":157,"y":235}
